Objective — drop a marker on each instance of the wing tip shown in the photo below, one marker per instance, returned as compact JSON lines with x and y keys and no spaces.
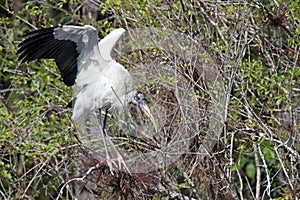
{"x":41,"y":44}
{"x":107,"y":44}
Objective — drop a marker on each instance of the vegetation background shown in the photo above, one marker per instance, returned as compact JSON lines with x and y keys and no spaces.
{"x":255,"y":47}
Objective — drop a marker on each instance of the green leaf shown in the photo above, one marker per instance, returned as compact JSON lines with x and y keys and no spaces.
{"x":233,"y":167}
{"x":278,"y":102}
{"x":250,"y":170}
{"x":269,"y":155}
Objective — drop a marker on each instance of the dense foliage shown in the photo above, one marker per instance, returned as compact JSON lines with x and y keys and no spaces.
{"x":255,"y":48}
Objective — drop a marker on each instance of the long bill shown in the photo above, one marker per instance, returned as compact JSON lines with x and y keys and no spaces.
{"x":145,"y":109}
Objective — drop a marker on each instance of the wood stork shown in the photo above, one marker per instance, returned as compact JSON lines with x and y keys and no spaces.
{"x":87,"y":64}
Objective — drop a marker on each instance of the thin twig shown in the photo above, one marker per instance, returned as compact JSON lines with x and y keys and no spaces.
{"x":258,"y":172}
{"x":81,"y":179}
{"x":17,"y":16}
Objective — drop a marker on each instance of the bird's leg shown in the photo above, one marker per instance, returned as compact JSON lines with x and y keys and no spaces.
{"x":119,"y":157}
{"x":104,"y":136}
{"x":104,"y":120}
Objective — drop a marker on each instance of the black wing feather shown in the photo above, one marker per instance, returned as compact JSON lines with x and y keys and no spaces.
{"x":42,"y":44}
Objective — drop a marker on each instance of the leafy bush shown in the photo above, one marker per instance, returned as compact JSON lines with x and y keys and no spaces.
{"x":253,"y":47}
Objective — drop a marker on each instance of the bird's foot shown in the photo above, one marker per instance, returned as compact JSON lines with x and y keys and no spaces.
{"x":110,"y":164}
{"x":122,"y":163}
{"x":113,"y":165}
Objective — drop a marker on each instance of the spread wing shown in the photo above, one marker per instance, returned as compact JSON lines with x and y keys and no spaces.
{"x":68,"y":45}
{"x":82,"y":61}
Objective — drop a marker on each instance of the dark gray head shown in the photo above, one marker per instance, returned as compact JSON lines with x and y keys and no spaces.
{"x":139,"y":100}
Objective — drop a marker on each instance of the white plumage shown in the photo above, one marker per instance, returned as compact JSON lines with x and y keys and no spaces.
{"x":100,"y":82}
{"x":86,"y":64}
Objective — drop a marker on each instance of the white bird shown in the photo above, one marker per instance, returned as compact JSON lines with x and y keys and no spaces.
{"x":102,"y":83}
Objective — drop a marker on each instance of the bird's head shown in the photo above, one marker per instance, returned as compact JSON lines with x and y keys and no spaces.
{"x":139,"y":100}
